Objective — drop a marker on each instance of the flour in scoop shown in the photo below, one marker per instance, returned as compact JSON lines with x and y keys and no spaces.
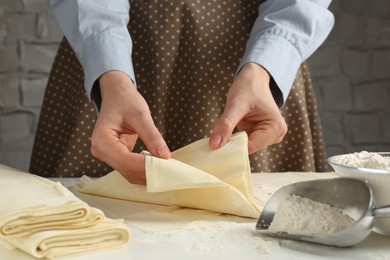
{"x":298,"y":215}
{"x":364,"y":159}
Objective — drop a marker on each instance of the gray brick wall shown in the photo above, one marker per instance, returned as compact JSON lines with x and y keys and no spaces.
{"x":350,"y":74}
{"x":28,"y":40}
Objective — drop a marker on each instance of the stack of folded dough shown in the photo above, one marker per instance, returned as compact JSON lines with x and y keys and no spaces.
{"x":195,"y":177}
{"x":44,"y":219}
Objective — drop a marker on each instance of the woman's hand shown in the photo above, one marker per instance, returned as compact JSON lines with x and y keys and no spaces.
{"x":124,"y":116}
{"x":251,"y":107}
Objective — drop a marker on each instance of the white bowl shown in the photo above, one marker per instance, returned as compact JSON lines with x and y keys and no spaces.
{"x":378,"y":179}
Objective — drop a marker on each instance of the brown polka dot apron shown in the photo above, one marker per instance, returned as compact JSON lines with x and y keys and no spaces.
{"x":185,"y":55}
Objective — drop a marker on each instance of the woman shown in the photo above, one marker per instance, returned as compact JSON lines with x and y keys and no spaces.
{"x":186,"y":58}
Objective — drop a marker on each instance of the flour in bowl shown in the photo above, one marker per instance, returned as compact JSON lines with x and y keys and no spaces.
{"x":364,"y":159}
{"x":298,"y":215}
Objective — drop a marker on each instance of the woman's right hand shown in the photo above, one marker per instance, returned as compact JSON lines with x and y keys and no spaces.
{"x":125,"y":116}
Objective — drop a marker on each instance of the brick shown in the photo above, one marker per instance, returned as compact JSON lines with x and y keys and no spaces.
{"x":380,"y":64}
{"x":16,"y":125}
{"x":337,"y":93}
{"x":318,"y":84}
{"x":17,"y":159}
{"x":353,"y":6}
{"x":9,"y":58}
{"x":325,"y":61}
{"x":21,"y":26}
{"x":336,"y":150}
{"x":372,"y":148}
{"x":379,"y":8}
{"x":22,"y":144}
{"x":35,"y":111}
{"x":352,"y":30}
{"x":38,"y":57}
{"x":378,"y":32}
{"x":334,"y":7}
{"x":366,"y":128}
{"x":9,"y":92}
{"x":3,"y":31}
{"x":356,"y":65}
{"x":36,"y":5}
{"x":33,"y":91}
{"x":333,"y":128}
{"x":369,"y":97}
{"x":48,"y":29}
{"x":11,"y":5}
{"x":387,"y":130}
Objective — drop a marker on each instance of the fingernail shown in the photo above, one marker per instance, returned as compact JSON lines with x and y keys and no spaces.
{"x":215,"y":140}
{"x":163,"y":151}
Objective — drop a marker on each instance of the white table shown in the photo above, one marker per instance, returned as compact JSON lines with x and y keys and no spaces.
{"x":222,"y":240}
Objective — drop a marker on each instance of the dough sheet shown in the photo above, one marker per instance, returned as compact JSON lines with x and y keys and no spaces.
{"x":196,"y":184}
{"x":53,"y":244}
{"x":195,"y":177}
{"x":155,"y":218}
{"x":45,"y":219}
{"x":31,"y":203}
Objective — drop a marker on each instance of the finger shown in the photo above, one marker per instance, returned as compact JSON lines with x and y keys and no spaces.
{"x":266,"y":135}
{"x":112,"y":151}
{"x":258,"y":140}
{"x":129,"y":140}
{"x":136,"y":174}
{"x":226,"y":124}
{"x":152,"y":138}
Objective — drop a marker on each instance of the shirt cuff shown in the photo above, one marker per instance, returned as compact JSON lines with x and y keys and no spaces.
{"x":102,"y":53}
{"x":279,"y":57}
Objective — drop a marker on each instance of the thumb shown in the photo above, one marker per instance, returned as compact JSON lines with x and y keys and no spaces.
{"x":153,"y":140}
{"x":225,"y":126}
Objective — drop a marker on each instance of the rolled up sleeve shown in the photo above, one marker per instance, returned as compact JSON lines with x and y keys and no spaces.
{"x":284,"y":35}
{"x":97,"y":31}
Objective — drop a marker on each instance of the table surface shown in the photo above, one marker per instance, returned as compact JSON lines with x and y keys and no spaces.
{"x":221,"y":239}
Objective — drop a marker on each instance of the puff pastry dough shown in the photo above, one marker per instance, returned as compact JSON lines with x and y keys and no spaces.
{"x":195,"y":177}
{"x":30,"y":204}
{"x":44,"y":219}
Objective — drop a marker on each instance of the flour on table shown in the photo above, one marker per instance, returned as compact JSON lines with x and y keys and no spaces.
{"x":297,"y":215}
{"x":217,"y":237}
{"x":364,"y":159}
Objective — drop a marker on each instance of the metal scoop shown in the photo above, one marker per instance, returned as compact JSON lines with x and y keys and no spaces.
{"x":353,"y":197}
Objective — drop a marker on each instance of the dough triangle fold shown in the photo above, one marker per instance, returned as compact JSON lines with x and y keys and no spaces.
{"x":195,"y":177}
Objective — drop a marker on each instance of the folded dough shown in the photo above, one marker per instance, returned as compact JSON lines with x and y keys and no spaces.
{"x":195,"y":177}
{"x":53,"y":244}
{"x":30,"y":204}
{"x":44,"y":219}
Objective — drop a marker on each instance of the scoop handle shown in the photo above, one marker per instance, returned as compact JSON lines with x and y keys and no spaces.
{"x":382,"y":212}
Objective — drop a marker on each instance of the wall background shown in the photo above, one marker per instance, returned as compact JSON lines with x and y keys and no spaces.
{"x":350,"y":73}
{"x":351,"y":76}
{"x":28,"y":41}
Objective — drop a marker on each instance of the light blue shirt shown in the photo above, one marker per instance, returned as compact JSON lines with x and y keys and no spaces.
{"x":285,"y":34}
